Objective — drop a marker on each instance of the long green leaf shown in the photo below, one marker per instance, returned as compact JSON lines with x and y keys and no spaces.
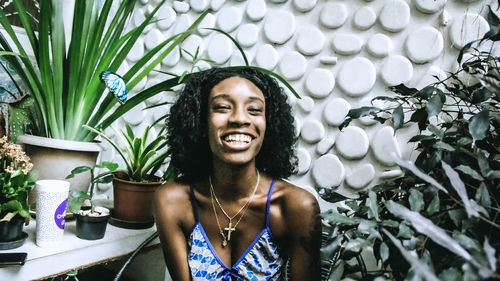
{"x":24,"y":18}
{"x":58,"y":47}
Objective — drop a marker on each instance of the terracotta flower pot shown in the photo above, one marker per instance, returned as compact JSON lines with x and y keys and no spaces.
{"x":133,"y":200}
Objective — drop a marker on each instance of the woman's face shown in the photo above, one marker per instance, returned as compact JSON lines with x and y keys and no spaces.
{"x":236,"y":121}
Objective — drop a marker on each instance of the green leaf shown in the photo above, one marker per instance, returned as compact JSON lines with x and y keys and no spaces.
{"x":411,"y":166}
{"x":482,"y":161}
{"x":367,"y":227}
{"x":443,"y":146}
{"x":450,"y":274}
{"x":427,"y":92}
{"x":434,"y":106}
{"x":390,"y":223}
{"x":78,"y":170}
{"x":479,"y":124}
{"x":470,"y":172}
{"x":466,"y":241}
{"x":384,"y":252}
{"x":490,"y":254}
{"x":398,"y":117}
{"x":483,"y":196}
{"x":356,"y":245}
{"x":457,"y":216}
{"x":106,"y":179}
{"x":459,"y":187}
{"x":436,"y":131}
{"x":109,"y":165}
{"x":362,"y":111}
{"x":433,"y":206}
{"x":404,"y":231}
{"x":416,"y":200}
{"x":372,"y":204}
{"x":334,"y":218}
{"x":425,"y":226}
{"x":75,"y":205}
{"x":419,"y":267}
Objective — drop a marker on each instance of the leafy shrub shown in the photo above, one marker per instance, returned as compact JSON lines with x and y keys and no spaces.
{"x":441,"y":220}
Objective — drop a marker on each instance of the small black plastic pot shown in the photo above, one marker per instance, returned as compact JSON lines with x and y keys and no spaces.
{"x":11,"y":230}
{"x":91,"y":228}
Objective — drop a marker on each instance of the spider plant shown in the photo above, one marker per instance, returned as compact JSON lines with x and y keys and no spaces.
{"x":65,"y":84}
{"x":143,"y":157}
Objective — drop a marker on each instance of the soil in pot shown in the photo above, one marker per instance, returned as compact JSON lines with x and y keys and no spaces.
{"x":92,"y":226}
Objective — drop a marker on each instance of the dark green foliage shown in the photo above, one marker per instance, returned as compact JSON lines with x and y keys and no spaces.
{"x":441,"y":220}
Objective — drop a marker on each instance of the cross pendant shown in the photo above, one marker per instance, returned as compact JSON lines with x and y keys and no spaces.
{"x":229,"y":229}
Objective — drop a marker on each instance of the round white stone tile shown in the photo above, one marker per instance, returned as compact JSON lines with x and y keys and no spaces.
{"x":335,"y":111}
{"x":180,"y":7}
{"x":430,"y":75}
{"x":297,"y":123}
{"x":156,"y":99}
{"x":395,"y":15}
{"x":292,"y":65}
{"x":237,"y":58}
{"x":256,"y":9}
{"x":304,"y":5}
{"x":396,"y":70}
{"x":168,"y":16}
{"x":306,"y":104}
{"x":304,"y":161}
{"x":324,"y":145}
{"x":364,"y":18}
{"x":347,"y":44}
{"x":352,"y":143}
{"x":312,"y":131}
{"x":429,"y":6}
{"x":219,"y":48}
{"x":207,"y":22}
{"x":391,"y":174}
{"x":379,"y":45}
{"x":173,"y":58}
{"x":138,"y":18}
{"x":153,"y":38}
{"x":217,"y":4}
{"x":467,"y":27}
{"x":229,"y":18}
{"x":247,"y":35}
{"x":328,"y":171}
{"x":182,"y":23}
{"x":310,"y":41}
{"x":384,"y":144}
{"x":357,"y":76}
{"x":266,"y":57}
{"x":190,"y":44}
{"x":320,"y":82}
{"x":424,"y":44}
{"x":278,"y":1}
{"x":360,"y":177}
{"x":199,"y":5}
{"x":279,"y":26}
{"x":328,"y":60}
{"x":333,"y":15}
{"x":137,"y":51}
{"x":136,"y":115}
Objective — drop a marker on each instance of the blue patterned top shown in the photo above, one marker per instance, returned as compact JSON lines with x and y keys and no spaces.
{"x":261,"y":261}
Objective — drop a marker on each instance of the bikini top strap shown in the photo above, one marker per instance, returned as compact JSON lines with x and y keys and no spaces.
{"x":193,"y":203}
{"x":269,"y":201}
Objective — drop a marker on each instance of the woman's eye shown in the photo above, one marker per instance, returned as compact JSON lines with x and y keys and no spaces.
{"x":254,"y":110}
{"x":220,"y":107}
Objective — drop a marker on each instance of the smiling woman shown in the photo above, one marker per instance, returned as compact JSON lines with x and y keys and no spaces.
{"x":229,"y":215}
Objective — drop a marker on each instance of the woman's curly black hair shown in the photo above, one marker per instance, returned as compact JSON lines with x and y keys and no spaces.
{"x":187,"y":131}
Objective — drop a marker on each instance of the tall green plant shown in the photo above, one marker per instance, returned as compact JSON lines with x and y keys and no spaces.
{"x":65,"y":85}
{"x":441,"y":220}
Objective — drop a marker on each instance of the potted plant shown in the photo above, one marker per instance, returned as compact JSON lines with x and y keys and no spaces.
{"x":441,"y":220}
{"x":16,"y":180}
{"x":91,"y":221}
{"x":134,"y":186}
{"x":64,"y":83}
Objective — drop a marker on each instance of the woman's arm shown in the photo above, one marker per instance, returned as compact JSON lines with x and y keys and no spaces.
{"x":301,"y":214}
{"x":170,"y":205}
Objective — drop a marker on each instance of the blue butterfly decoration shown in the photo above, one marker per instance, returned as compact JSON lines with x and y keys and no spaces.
{"x":115,"y":85}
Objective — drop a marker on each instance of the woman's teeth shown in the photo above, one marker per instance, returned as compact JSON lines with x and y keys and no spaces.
{"x":240,"y":138}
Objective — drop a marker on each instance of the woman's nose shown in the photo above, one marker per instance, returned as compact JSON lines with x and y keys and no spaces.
{"x":239,"y":116}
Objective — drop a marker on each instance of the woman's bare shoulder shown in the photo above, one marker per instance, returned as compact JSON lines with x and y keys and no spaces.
{"x":296,"y":199}
{"x":172,"y":194}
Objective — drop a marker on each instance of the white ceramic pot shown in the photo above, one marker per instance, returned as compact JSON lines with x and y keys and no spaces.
{"x":54,"y":159}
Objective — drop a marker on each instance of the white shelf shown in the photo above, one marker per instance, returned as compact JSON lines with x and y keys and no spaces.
{"x":72,"y":252}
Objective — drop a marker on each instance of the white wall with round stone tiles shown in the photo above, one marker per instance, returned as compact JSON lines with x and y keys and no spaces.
{"x":338,"y":54}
